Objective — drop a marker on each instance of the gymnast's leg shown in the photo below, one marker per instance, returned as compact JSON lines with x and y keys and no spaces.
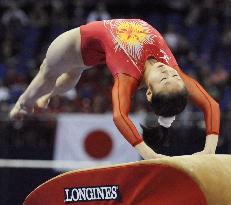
{"x":42,"y":84}
{"x":62,"y":59}
{"x":64,"y":83}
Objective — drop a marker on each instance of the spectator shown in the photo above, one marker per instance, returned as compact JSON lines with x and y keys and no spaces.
{"x":172,"y":37}
{"x":4,"y":92}
{"x":226,"y":37}
{"x":100,"y":13}
{"x":59,"y":13}
{"x":39,"y":15}
{"x":14,"y":16}
{"x":79,"y":17}
{"x":177,"y":43}
{"x":219,"y":76}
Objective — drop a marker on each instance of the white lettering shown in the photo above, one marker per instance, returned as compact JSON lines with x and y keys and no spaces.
{"x":74,"y":195}
{"x":91,"y":193}
{"x":108,"y":192}
{"x":67,"y":198}
{"x":82,"y":194}
{"x":114,"y":192}
{"x":100,"y":192}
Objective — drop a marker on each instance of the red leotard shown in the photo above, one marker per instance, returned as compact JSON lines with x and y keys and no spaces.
{"x":125,"y":45}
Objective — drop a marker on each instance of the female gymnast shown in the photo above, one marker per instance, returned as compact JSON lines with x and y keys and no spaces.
{"x":136,"y":54}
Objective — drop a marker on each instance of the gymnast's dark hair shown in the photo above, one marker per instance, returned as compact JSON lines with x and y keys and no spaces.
{"x":169,"y":104}
{"x":165,"y":105}
{"x":155,"y":136}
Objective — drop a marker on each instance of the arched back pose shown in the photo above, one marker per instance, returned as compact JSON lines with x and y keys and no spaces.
{"x":135,"y":53}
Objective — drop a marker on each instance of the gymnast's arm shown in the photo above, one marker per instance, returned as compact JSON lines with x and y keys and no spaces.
{"x":210,"y":109}
{"x":123,"y":89}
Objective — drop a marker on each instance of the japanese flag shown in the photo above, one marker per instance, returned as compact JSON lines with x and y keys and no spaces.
{"x":92,"y":137}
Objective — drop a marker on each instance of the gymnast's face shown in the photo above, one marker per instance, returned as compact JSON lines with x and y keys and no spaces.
{"x":163,"y":79}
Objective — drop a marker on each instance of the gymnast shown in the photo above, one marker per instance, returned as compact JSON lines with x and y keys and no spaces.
{"x":136,"y":55}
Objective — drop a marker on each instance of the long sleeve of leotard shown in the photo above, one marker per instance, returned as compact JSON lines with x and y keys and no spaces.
{"x":122,"y":91}
{"x":203,"y":101}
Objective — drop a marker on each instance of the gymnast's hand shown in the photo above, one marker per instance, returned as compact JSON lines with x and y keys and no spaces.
{"x":204,"y":152}
{"x":146,"y":152}
{"x":210,"y":145}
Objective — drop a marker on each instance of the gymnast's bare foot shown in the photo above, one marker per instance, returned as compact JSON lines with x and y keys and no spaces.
{"x":42,"y":102}
{"x":19,"y":111}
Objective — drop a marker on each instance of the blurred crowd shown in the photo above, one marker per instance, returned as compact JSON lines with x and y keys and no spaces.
{"x":198,"y":32}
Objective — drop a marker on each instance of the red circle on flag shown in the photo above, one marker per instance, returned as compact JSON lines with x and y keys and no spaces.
{"x":98,"y":144}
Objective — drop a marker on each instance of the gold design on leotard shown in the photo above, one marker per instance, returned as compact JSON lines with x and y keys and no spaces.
{"x":130,"y":36}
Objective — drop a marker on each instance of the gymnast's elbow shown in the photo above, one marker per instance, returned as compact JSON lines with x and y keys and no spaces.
{"x":211,"y":106}
{"x":216,"y":106}
{"x":118,"y":117}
